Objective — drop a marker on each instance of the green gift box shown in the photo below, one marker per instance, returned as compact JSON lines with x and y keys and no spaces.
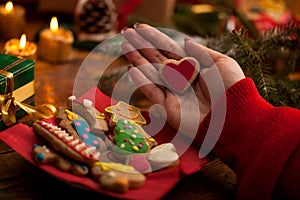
{"x":16,"y":87}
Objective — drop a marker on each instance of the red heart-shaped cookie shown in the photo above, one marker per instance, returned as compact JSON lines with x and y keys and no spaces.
{"x":180,"y":74}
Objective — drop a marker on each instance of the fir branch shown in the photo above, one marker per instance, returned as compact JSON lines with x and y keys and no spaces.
{"x":258,"y":58}
{"x":282,"y":43}
{"x":290,"y":92}
{"x":254,"y":65}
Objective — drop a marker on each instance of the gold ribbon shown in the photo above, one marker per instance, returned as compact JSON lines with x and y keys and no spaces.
{"x":9,"y":104}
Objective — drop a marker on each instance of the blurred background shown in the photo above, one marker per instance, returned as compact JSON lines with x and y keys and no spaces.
{"x":200,"y":17}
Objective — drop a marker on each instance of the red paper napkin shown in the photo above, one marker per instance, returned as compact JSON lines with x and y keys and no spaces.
{"x":22,"y":138}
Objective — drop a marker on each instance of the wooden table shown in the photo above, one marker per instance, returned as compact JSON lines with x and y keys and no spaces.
{"x":53,"y":84}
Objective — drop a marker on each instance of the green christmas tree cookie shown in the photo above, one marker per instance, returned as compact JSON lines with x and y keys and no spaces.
{"x":128,"y":139}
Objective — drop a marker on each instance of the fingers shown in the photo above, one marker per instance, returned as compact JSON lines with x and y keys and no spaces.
{"x":204,"y":55}
{"x":138,"y":60}
{"x":148,"y":88}
{"x":221,"y":71}
{"x":153,"y":44}
{"x":133,"y":56}
{"x":161,"y":41}
{"x":147,"y":48}
{"x":144,"y":46}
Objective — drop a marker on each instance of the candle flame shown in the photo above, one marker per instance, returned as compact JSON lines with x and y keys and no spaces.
{"x":9,"y":7}
{"x":22,"y":42}
{"x":54,"y":25}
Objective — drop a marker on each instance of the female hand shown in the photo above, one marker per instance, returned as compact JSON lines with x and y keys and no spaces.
{"x":146,"y":50}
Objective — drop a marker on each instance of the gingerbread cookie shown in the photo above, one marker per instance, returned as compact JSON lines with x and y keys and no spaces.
{"x":150,"y":140}
{"x":70,"y":101}
{"x":108,"y":156}
{"x":43,"y":155}
{"x":95,"y":118}
{"x":120,"y":181}
{"x":63,"y":142}
{"x":127,"y":139}
{"x":123,"y":110}
{"x":139,"y":162}
{"x":83,"y":130}
{"x":99,"y":168}
{"x":163,"y":156}
{"x":117,"y":177}
{"x":179,"y":75}
{"x":65,"y":118}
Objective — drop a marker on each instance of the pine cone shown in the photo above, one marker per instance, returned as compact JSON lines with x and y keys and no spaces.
{"x":95,"y":20}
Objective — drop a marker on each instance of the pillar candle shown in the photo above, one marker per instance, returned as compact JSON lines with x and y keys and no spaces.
{"x":12,"y":20}
{"x":55,"y":43}
{"x":21,"y":47}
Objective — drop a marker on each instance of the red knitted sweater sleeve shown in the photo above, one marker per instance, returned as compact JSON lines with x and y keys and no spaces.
{"x":260,"y":142}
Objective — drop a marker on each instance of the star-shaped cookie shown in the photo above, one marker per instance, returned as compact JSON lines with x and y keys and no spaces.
{"x":123,"y":110}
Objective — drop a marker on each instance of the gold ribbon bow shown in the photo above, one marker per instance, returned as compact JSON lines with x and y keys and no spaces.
{"x":9,"y":104}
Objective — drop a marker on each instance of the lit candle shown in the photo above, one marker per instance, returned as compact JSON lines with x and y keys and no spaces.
{"x":12,"y":20}
{"x":21,"y":47}
{"x":55,"y":43}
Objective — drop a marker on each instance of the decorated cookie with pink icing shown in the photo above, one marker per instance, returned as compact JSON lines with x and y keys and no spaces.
{"x":139,"y":162}
{"x":83,"y":130}
{"x":87,"y":110}
{"x":119,"y":160}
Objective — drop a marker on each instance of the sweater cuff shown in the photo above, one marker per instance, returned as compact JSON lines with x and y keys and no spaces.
{"x":241,"y":98}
